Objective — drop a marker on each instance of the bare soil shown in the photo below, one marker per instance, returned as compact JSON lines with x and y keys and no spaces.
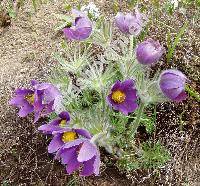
{"x":26,"y":48}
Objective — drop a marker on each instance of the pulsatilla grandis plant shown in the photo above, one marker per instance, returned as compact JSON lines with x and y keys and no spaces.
{"x":99,"y":90}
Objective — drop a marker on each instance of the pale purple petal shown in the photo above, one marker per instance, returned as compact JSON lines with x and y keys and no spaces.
{"x":87,"y":151}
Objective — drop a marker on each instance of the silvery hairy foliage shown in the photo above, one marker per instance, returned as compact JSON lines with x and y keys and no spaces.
{"x":93,"y":66}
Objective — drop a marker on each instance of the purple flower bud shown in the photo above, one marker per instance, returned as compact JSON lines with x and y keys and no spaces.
{"x":130,"y":24}
{"x":172,"y":84}
{"x":149,"y":52}
{"x":81,"y":27}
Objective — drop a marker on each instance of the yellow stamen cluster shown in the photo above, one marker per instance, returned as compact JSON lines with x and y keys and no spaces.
{"x":63,"y":123}
{"x":118,"y":96}
{"x":69,"y":136}
{"x":30,"y":98}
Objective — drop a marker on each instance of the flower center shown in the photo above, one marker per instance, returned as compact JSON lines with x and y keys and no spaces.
{"x":63,"y":123}
{"x":30,"y":98}
{"x":69,"y":136}
{"x":118,"y":96}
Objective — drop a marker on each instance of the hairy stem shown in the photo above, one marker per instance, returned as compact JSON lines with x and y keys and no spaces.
{"x":136,"y":124}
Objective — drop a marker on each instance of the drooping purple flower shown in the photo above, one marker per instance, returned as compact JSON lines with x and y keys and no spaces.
{"x":149,"y":52}
{"x":80,"y":153}
{"x":56,"y":124}
{"x":81,"y":28}
{"x":130,"y":23}
{"x":123,"y":96}
{"x":74,"y":148}
{"x":172,"y":84}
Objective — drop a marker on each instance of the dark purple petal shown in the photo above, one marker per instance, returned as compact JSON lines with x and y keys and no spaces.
{"x":88,"y":167}
{"x":72,"y":165}
{"x":116,"y":86}
{"x":23,"y":92}
{"x":64,"y":115}
{"x":127,"y":84}
{"x":87,"y":151}
{"x":55,"y":144}
{"x":182,"y":96}
{"x":84,"y":133}
{"x":68,"y":154}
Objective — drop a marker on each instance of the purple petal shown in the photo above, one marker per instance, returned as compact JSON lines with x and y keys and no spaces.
{"x":182,"y":96}
{"x":116,"y":86}
{"x":127,"y":84}
{"x":18,"y":101}
{"x":25,"y":110}
{"x":68,"y":154}
{"x":88,"y":167}
{"x":55,"y":144}
{"x":127,"y":106}
{"x":87,"y":151}
{"x":49,"y":128}
{"x":73,"y":165}
{"x":73,"y":143}
{"x":84,"y":133}
{"x":97,"y":164}
{"x":64,"y":115}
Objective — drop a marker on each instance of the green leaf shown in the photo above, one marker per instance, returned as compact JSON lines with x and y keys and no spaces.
{"x":193,"y":93}
{"x":172,"y":46}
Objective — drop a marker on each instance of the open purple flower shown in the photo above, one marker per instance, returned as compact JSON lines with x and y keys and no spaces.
{"x":24,"y":100}
{"x":81,"y":28}
{"x":149,"y":52}
{"x":172,"y":84}
{"x":123,"y":96}
{"x":56,"y":124}
{"x":130,"y":24}
{"x":40,"y":99}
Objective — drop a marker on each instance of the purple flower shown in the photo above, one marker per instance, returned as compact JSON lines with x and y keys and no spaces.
{"x":46,"y":96}
{"x":80,"y":152}
{"x":172,"y":84}
{"x":130,"y":24}
{"x":56,"y":124}
{"x":40,"y":99}
{"x":81,"y":28}
{"x":24,"y":100}
{"x":149,"y":52}
{"x":123,"y":96}
{"x":74,"y":148}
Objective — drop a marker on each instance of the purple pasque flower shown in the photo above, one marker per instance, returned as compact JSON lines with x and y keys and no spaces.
{"x":149,"y":52}
{"x":57,"y":124}
{"x":46,"y":97}
{"x":40,"y":99}
{"x":80,"y":153}
{"x":130,"y":23}
{"x":81,"y":28}
{"x":123,"y":96}
{"x":74,"y":148}
{"x":172,"y":84}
